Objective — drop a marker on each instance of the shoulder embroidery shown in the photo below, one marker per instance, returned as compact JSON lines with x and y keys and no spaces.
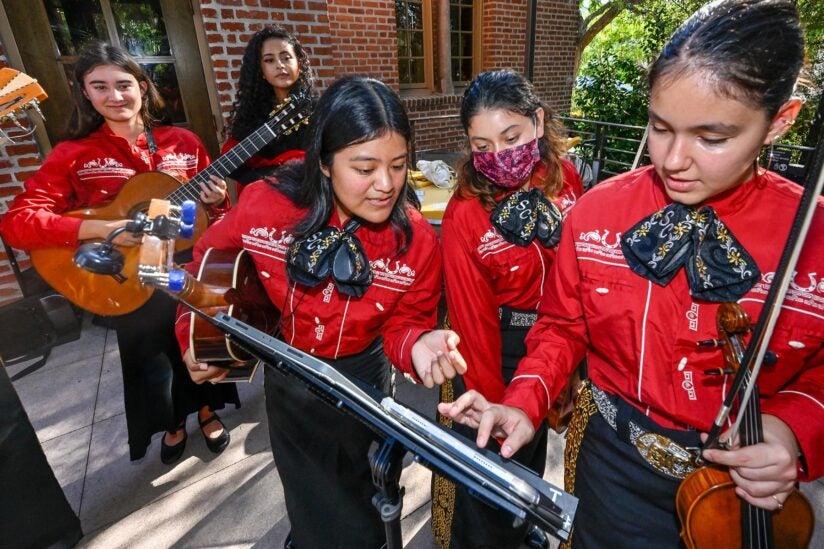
{"x":490,"y":241}
{"x":565,"y":203}
{"x":806,"y":291}
{"x":598,"y":242}
{"x":104,"y":167}
{"x":173,"y":162}
{"x":388,"y":271}
{"x":270,"y":239}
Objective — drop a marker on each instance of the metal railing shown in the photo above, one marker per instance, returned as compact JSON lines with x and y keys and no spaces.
{"x":610,"y":149}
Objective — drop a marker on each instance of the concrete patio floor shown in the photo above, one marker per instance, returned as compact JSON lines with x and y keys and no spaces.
{"x":234,"y":499}
{"x":75,"y":403}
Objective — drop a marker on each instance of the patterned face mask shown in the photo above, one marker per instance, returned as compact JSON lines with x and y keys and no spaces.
{"x":510,"y":167}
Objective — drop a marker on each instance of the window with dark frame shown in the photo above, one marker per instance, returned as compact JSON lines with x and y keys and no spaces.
{"x":135,"y":25}
{"x":411,"y":40}
{"x":461,"y":38}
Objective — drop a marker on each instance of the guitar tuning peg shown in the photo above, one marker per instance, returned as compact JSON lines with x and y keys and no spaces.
{"x":188,"y":212}
{"x":187,"y":230}
{"x":35,"y":104}
{"x":12,"y":117}
{"x":177,"y":279}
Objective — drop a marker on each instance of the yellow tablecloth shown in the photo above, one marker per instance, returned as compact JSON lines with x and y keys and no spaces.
{"x":433,"y":202}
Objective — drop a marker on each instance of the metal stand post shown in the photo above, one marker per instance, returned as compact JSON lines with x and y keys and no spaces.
{"x":386,"y":464}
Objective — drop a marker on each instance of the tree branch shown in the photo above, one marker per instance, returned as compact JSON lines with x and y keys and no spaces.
{"x":600,"y":18}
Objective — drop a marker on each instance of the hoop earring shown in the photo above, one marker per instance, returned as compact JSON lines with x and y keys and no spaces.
{"x":771,"y":155}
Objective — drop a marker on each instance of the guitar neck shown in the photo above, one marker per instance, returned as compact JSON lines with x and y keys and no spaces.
{"x":274,"y":129}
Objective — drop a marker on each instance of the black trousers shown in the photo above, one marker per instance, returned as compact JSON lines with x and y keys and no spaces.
{"x":157,"y":389}
{"x":34,"y":511}
{"x":322,"y":457}
{"x":476,"y":525}
{"x":624,"y":501}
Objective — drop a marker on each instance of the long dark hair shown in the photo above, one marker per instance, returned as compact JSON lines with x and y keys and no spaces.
{"x":84,"y":118}
{"x":255,"y":99}
{"x":352,"y":110}
{"x":508,"y":90}
{"x":751,"y":50}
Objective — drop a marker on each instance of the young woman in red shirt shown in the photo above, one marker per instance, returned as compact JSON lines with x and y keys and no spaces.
{"x":114,"y":134}
{"x":499,"y":235}
{"x":720,"y":91}
{"x":274,"y":66}
{"x":350,"y":196}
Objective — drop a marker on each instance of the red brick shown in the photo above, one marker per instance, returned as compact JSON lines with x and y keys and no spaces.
{"x":17,"y":150}
{"x":29,"y":161}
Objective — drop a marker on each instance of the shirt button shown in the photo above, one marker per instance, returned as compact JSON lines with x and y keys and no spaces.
{"x":796,"y":345}
{"x":602,"y":291}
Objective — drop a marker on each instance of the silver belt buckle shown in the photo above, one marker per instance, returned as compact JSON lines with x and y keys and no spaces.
{"x":664,"y":455}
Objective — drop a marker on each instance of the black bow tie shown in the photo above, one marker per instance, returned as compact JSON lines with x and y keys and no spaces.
{"x":526,"y":215}
{"x":718,"y":267}
{"x":331,"y":252}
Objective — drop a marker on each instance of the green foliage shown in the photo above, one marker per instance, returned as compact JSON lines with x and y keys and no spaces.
{"x":611,"y":81}
{"x":803,"y":132}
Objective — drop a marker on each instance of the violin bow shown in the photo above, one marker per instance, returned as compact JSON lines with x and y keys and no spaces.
{"x":763,"y":330}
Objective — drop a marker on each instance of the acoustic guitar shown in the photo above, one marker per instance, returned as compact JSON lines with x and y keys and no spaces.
{"x":118,"y":295}
{"x":227,"y":282}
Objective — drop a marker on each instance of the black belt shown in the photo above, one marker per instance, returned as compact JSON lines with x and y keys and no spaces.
{"x":516,"y":319}
{"x":661,"y":452}
{"x":514,"y":325}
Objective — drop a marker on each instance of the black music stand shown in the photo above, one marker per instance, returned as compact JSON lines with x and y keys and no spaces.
{"x":386,"y":462}
{"x":498,"y":482}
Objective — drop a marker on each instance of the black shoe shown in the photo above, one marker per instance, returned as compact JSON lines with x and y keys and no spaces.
{"x":536,"y":539}
{"x":216,"y":445}
{"x":170,"y":454}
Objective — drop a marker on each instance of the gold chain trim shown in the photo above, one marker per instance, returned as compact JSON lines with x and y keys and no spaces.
{"x":584,"y":409}
{"x":443,"y":490}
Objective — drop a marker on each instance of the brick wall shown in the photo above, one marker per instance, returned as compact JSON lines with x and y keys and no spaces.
{"x":504,"y":34}
{"x":18,"y":161}
{"x":363,"y":36}
{"x":229,"y":24}
{"x":554,"y":59}
{"x":435,"y":122}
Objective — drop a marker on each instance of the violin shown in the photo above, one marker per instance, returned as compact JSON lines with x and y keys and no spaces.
{"x":707,"y":505}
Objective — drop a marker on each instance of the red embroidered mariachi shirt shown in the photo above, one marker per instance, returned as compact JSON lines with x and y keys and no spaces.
{"x":400,"y":305}
{"x":641,"y":337}
{"x":484,"y":272}
{"x":90,"y":172}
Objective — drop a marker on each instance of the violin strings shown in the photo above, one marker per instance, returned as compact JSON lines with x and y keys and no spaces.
{"x":758,"y":520}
